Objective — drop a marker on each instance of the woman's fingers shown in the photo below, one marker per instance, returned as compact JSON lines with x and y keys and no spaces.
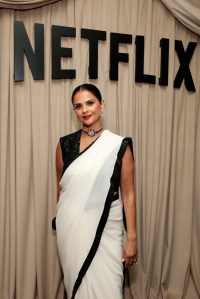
{"x":130,"y":261}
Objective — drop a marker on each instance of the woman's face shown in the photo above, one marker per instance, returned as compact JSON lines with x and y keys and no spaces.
{"x":88,"y":109}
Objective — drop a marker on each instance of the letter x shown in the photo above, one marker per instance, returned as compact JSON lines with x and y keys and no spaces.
{"x":184,"y":70}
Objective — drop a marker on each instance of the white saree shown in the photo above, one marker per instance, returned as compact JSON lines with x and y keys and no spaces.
{"x":89,"y":225}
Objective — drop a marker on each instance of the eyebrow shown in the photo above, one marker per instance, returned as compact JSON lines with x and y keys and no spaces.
{"x":93,"y":99}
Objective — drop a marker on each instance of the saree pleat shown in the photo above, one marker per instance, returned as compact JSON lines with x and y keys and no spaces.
{"x":89,"y":225}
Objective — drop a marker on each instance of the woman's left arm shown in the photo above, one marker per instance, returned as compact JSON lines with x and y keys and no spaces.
{"x":128,"y":197}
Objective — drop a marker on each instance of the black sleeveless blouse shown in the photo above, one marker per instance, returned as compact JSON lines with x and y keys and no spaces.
{"x":70,"y":146}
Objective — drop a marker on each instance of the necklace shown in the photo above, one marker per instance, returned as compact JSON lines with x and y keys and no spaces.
{"x":91,"y":132}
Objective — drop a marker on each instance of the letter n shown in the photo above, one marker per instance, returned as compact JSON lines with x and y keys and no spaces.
{"x":22,"y":46}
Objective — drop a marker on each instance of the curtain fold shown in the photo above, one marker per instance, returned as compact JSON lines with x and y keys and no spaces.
{"x":187,"y":12}
{"x":162,"y":120}
{"x":26,"y":4}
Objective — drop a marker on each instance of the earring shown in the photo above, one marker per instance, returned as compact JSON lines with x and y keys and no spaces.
{"x":102,"y":113}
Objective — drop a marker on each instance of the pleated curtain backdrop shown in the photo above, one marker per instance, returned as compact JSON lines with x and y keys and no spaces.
{"x":163,"y":121}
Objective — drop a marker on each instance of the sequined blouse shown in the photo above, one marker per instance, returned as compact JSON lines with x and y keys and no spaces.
{"x":70,"y":146}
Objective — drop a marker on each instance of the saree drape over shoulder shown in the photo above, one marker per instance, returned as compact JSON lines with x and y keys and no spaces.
{"x":89,"y":221}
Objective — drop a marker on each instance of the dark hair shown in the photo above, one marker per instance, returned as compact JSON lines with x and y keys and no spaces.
{"x":89,"y":87}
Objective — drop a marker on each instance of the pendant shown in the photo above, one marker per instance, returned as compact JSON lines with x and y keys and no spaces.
{"x":91,"y":133}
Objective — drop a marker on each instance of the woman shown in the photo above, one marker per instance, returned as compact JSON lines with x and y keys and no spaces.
{"x":92,"y":164}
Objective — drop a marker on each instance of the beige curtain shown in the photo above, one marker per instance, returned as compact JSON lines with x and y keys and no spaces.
{"x":24,"y":4}
{"x":164,"y":123}
{"x":187,"y":12}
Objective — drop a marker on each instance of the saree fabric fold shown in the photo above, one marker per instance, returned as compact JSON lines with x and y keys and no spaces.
{"x":89,"y":223}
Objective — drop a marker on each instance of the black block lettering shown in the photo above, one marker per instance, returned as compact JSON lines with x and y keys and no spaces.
{"x":93,"y":36}
{"x":22,"y":46}
{"x":58,"y":52}
{"x":184,"y":70}
{"x":115,"y":56}
{"x":140,"y":77}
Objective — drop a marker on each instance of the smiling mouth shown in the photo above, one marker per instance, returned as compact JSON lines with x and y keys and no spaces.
{"x":87,"y":116}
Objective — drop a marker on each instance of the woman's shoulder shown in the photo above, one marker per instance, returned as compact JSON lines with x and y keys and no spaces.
{"x":127,"y":141}
{"x":70,"y":137}
{"x":124,"y":141}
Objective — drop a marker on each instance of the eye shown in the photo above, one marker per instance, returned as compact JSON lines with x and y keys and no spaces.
{"x":77,"y":107}
{"x":90,"y":103}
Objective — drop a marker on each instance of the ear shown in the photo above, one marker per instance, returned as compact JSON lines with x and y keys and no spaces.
{"x":102,"y":105}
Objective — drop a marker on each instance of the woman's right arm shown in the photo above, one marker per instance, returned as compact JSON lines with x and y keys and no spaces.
{"x":59,"y":167}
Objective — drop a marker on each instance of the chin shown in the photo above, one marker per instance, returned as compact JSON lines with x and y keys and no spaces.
{"x":88,"y":123}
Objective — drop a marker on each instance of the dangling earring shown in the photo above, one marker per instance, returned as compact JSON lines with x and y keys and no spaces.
{"x":102,"y":113}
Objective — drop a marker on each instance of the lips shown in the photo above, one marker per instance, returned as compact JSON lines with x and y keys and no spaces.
{"x":86,"y":117}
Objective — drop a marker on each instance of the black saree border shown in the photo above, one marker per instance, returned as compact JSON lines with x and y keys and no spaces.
{"x":125,"y":142}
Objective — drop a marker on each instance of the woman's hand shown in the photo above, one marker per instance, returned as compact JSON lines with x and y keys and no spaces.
{"x":130,"y":252}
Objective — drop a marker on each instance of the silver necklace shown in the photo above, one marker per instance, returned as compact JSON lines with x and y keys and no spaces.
{"x":91,"y":132}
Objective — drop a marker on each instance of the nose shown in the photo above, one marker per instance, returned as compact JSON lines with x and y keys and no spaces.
{"x":85,"y":109}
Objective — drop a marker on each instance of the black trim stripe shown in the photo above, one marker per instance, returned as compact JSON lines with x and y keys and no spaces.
{"x":95,"y":244}
{"x":103,"y":219}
